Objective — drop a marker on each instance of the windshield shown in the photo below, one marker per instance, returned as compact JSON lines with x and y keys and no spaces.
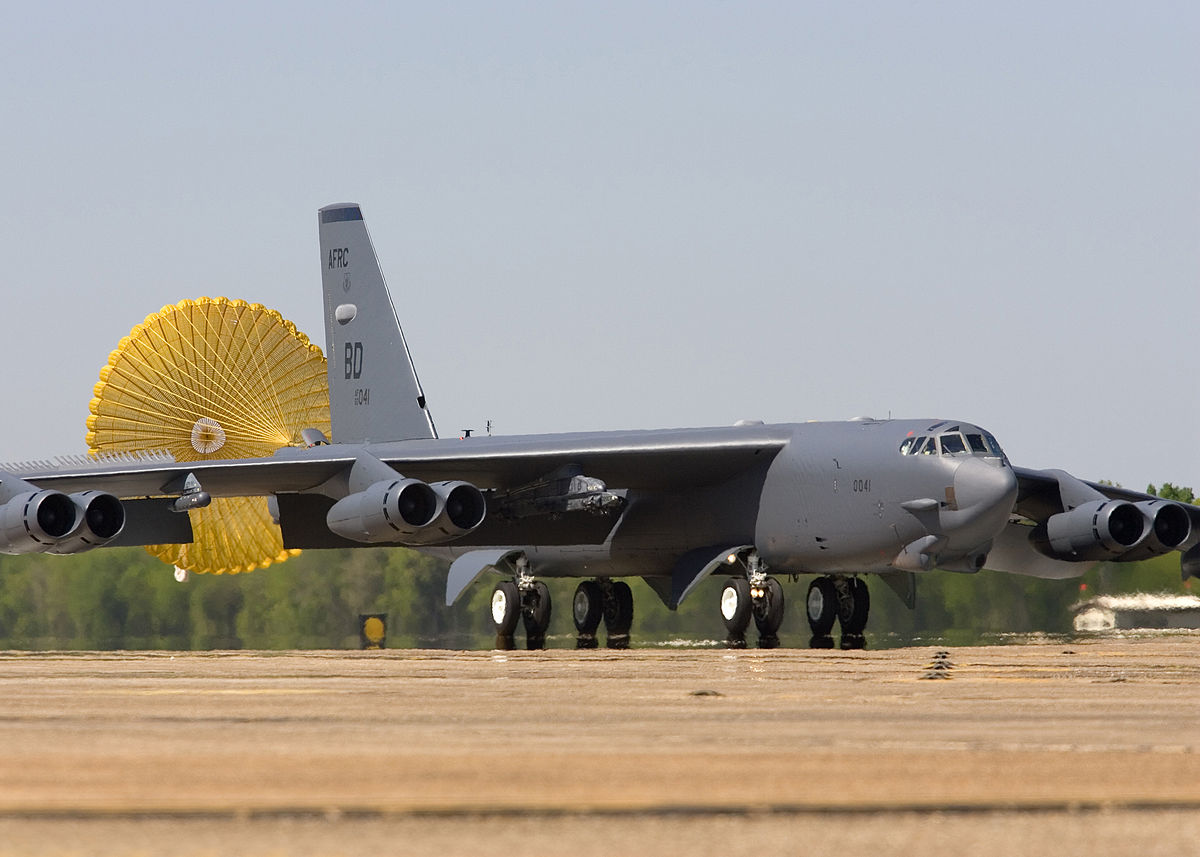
{"x":953,"y":440}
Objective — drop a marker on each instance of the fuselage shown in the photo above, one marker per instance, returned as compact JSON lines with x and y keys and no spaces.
{"x":836,"y":497}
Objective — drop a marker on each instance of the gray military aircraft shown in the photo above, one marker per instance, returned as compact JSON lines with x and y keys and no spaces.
{"x":833,"y":501}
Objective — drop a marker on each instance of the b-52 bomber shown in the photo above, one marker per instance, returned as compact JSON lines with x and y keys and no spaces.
{"x":828,"y":501}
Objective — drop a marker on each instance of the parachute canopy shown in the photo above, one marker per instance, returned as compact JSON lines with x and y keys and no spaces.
{"x":207,"y":379}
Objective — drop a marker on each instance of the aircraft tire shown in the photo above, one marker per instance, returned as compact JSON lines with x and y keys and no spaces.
{"x":505,"y":643}
{"x":587,"y":607}
{"x":506,"y":608}
{"x":853,"y":642}
{"x":772,"y":617}
{"x":537,"y":616}
{"x":854,"y":619}
{"x":822,"y":606}
{"x":735,"y":606}
{"x":618,"y":610}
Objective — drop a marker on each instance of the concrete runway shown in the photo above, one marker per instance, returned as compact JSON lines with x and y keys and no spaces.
{"x":1081,"y":747}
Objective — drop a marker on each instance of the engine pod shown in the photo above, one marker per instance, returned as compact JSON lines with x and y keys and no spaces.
{"x":1102,"y":529}
{"x":35,"y":521}
{"x":100,"y":518}
{"x":387,"y":511}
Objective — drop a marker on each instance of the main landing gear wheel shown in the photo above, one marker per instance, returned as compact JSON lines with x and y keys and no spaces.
{"x":854,"y":605}
{"x":735,"y":611}
{"x":618,"y":614}
{"x":506,"y":610}
{"x":845,"y":599}
{"x":821,"y":607}
{"x":535,"y":609}
{"x":587,"y":609}
{"x":768,"y":614}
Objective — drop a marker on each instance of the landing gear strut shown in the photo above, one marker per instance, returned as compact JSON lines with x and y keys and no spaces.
{"x":754,"y":596}
{"x":610,"y":600}
{"x":840,"y":598}
{"x":522,"y":598}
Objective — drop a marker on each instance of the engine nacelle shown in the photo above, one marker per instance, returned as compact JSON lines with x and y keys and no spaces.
{"x":463,"y":509}
{"x":1167,"y":527}
{"x":100,"y":517}
{"x":34,"y":521}
{"x":1101,"y":529}
{"x":387,"y":511}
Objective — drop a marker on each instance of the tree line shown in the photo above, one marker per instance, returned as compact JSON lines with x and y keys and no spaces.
{"x":125,"y":599}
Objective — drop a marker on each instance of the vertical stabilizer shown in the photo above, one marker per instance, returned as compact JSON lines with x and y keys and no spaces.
{"x":374,"y":394}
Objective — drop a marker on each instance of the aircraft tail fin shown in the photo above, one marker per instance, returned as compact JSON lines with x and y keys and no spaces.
{"x":374,"y":393}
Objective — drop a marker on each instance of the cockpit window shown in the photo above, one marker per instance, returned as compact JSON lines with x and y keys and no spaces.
{"x":952,"y":444}
{"x":993,"y":444}
{"x":952,"y":441}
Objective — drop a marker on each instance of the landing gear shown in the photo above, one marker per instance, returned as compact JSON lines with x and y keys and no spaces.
{"x":610,"y":601}
{"x":845,"y":599}
{"x":587,"y":608}
{"x":735,"y":610}
{"x":506,"y":608}
{"x":768,"y":613}
{"x":522,"y":598}
{"x":618,"y":613}
{"x":753,"y":596}
{"x":536,"y":613}
{"x":821,"y":607}
{"x":854,"y":603}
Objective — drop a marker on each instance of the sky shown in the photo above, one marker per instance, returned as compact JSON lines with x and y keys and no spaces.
{"x":637,"y":214}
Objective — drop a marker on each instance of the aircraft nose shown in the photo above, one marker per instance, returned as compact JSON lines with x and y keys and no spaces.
{"x":984,"y":485}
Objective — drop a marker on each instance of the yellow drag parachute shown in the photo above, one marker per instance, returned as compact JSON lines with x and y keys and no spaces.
{"x":207,"y":379}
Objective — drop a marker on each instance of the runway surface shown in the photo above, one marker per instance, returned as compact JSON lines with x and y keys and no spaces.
{"x":1082,"y":747}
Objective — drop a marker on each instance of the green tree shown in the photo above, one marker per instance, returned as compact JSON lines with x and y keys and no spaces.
{"x":1172,"y":492}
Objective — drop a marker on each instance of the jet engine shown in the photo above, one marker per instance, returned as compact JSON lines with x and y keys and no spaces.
{"x":1100,"y":529}
{"x":1167,"y":527}
{"x":32,"y":522}
{"x":100,"y":518}
{"x":463,"y":509}
{"x":388,"y":511}
{"x":409,"y":511}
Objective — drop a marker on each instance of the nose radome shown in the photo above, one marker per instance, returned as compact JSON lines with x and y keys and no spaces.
{"x":982,"y":483}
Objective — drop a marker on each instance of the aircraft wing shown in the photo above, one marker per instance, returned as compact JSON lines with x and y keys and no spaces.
{"x":636,"y":459}
{"x":1042,"y":494}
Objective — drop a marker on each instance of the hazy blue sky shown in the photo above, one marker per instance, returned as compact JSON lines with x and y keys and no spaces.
{"x":625,"y":215}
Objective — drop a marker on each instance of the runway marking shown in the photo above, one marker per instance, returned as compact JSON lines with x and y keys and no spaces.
{"x":369,"y":813}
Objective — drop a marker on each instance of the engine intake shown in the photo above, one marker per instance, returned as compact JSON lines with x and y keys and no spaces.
{"x":1101,"y":529}
{"x":34,"y":521}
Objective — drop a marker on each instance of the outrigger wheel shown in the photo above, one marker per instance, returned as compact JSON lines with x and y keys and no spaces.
{"x":210,"y":379}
